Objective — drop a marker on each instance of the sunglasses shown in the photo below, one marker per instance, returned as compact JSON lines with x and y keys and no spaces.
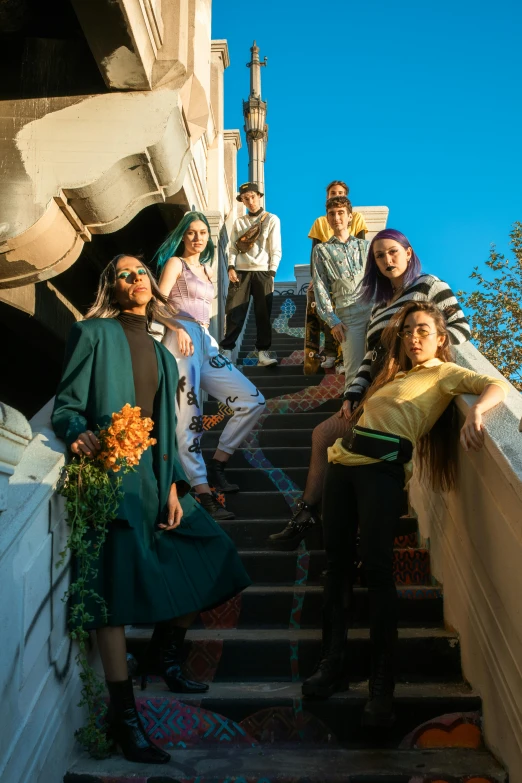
{"x":422,"y":334}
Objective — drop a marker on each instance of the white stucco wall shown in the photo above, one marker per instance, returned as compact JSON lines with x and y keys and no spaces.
{"x":39,"y":684}
{"x":475,"y":536}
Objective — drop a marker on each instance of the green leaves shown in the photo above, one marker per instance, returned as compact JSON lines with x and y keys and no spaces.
{"x":92,"y":501}
{"x":496,"y":310}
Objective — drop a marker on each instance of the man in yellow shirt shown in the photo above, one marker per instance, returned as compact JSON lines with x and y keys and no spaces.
{"x":322,"y":232}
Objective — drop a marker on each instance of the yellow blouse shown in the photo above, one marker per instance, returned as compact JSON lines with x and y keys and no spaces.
{"x":410,"y":405}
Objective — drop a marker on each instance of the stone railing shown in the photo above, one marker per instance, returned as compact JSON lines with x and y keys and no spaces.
{"x":475,"y":536}
{"x":38,"y":680}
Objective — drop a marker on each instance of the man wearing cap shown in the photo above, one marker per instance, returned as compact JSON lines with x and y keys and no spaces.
{"x":254,"y":255}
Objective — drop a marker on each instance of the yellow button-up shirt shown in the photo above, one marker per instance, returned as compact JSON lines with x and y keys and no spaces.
{"x":410,"y":405}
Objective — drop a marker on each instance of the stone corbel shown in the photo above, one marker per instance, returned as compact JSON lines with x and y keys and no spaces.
{"x":15,"y":436}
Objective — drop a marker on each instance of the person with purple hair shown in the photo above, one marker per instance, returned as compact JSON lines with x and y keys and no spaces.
{"x":393,"y":277}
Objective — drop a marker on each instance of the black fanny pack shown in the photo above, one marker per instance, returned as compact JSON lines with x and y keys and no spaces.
{"x":378,"y":445}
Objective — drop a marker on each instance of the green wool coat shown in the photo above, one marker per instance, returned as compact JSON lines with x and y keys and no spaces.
{"x":145,"y":574}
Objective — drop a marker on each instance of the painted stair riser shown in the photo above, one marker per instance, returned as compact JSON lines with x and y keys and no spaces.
{"x":328,"y":406}
{"x":306,"y":421}
{"x":267,"y":438}
{"x":410,"y":566}
{"x":270,"y":392}
{"x":427,"y":657}
{"x":253,"y":534}
{"x":420,"y":607}
{"x":252,"y":480}
{"x":273,"y":718}
{"x":297,"y":457}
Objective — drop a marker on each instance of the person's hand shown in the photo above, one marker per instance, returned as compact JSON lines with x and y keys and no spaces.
{"x":174,"y":510}
{"x":472,"y":432}
{"x":346,"y":410}
{"x":339,"y":332}
{"x":232,"y":276}
{"x":86,"y":443}
{"x":185,"y":344}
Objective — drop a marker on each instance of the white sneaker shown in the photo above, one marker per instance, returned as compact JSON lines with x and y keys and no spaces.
{"x":328,"y":363}
{"x":226,"y":353}
{"x":267,"y":358}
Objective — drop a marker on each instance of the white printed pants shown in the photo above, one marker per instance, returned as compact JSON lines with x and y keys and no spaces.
{"x":206,"y":369}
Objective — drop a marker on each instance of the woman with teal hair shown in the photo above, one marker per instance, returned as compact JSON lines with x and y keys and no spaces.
{"x":183,"y":258}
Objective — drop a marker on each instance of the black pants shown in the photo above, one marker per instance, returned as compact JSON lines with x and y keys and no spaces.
{"x":369,"y":498}
{"x":260,"y":286}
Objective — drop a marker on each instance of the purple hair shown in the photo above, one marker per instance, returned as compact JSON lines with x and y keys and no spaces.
{"x":377,"y":287}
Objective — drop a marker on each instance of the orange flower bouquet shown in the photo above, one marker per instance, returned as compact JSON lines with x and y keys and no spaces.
{"x":92,"y":496}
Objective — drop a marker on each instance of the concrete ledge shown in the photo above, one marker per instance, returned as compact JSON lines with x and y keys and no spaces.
{"x":475,"y":538}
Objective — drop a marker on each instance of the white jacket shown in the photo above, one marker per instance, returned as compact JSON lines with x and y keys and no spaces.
{"x":266,"y":254}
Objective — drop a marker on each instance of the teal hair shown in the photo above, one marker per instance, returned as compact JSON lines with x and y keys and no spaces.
{"x":173,"y":244}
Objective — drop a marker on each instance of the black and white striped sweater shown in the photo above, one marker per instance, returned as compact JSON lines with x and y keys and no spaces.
{"x":426,"y":288}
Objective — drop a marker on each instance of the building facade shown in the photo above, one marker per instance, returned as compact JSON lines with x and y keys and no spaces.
{"x":111,"y":127}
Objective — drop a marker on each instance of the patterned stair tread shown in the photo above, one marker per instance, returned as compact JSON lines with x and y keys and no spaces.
{"x":258,"y":530}
{"x":321,"y":765}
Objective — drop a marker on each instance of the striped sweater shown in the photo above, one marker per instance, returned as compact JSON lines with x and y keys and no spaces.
{"x":426,"y":288}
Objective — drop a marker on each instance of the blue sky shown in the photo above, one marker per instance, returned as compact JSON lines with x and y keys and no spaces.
{"x":416,"y":104}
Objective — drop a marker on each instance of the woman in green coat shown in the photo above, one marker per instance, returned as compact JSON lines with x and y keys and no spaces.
{"x":165,"y":559}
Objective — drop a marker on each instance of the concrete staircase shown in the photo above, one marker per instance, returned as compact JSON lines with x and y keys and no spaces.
{"x":253,"y":724}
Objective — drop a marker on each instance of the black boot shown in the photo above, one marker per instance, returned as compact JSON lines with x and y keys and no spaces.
{"x":304,"y":520}
{"x":163,"y":657}
{"x":125,"y":727}
{"x":215,"y":509}
{"x":217,"y":478}
{"x":330,"y":675}
{"x":378,"y":711}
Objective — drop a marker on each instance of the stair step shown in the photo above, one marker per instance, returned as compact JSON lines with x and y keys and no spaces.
{"x":232,"y":655}
{"x":410,"y":566}
{"x":331,"y":406}
{"x":278,"y":421}
{"x":266,"y":711}
{"x":314,"y":765}
{"x":257,"y":480}
{"x":279,"y":457}
{"x":252,"y":371}
{"x":271,"y":437}
{"x":270,"y":392}
{"x":269,"y":606}
{"x":270,"y":380}
{"x":252,"y":533}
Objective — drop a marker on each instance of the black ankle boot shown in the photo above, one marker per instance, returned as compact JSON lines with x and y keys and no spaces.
{"x":304,"y":520}
{"x":330,"y":674}
{"x":163,"y":657}
{"x":216,"y":477}
{"x":378,"y":711}
{"x":125,"y":727}
{"x":215,"y":509}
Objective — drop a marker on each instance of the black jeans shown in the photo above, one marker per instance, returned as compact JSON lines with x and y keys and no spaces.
{"x":369,"y":498}
{"x":259,"y":285}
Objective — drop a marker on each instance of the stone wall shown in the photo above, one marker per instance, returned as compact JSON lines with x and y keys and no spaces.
{"x":39,"y":683}
{"x":475,"y":536}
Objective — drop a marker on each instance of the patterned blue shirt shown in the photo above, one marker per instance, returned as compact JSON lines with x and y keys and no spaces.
{"x":337,"y":273}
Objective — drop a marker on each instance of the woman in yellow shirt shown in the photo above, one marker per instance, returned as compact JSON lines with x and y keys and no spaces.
{"x":408,"y":406}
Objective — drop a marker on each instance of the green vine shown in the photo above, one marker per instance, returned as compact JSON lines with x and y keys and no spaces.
{"x":92,"y":499}
{"x":93,"y":495}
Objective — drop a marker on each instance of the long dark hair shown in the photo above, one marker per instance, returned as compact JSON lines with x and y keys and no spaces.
{"x":437,"y":451}
{"x":376,"y":286}
{"x":106,"y":306}
{"x":174,"y":245}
